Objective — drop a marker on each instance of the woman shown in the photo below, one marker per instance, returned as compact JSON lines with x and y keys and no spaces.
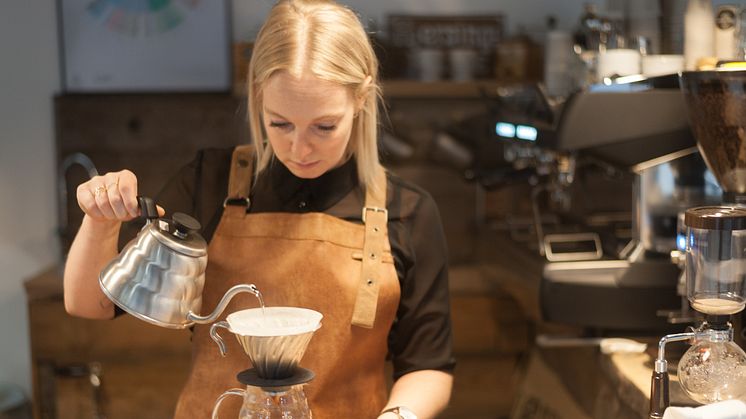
{"x":312,"y":219}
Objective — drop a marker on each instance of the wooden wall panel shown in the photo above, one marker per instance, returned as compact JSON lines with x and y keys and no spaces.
{"x":151,"y":134}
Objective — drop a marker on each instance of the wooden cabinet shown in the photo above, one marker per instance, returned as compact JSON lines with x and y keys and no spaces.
{"x":140,"y":368}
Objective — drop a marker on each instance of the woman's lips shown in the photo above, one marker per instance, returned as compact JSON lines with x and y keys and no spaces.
{"x":305,"y":165}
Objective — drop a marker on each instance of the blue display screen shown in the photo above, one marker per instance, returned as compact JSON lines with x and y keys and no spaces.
{"x":522,"y":132}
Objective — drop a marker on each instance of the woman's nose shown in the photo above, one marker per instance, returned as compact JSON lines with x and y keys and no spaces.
{"x":300,"y":147}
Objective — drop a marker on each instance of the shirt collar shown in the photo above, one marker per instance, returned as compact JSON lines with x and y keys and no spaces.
{"x":318,"y":194}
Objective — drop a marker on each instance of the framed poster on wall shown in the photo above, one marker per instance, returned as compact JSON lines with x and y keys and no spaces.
{"x":145,"y":45}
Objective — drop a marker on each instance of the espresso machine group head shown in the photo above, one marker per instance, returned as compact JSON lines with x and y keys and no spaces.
{"x":714,"y":368}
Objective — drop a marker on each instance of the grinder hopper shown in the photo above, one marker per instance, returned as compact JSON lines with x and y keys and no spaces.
{"x":716,"y":105}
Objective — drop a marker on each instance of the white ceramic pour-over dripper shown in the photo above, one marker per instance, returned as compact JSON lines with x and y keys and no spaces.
{"x":274,"y":339}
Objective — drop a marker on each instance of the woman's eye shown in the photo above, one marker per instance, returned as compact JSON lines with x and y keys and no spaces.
{"x":327,"y":128}
{"x":280,"y":125}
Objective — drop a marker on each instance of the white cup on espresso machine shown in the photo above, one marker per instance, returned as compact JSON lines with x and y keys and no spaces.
{"x":618,"y":62}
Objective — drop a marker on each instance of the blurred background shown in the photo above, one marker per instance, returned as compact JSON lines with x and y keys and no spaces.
{"x":107,"y":85}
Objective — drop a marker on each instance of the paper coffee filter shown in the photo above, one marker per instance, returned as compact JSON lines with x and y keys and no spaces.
{"x":275,"y":321}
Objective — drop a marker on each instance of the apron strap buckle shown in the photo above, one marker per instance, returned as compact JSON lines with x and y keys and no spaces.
{"x":374,"y":209}
{"x":246,"y":202}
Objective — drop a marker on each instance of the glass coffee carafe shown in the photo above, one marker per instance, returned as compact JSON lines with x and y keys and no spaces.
{"x":261,"y":403}
{"x":714,"y":367}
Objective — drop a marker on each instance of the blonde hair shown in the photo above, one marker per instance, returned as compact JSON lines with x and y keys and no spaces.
{"x":328,"y":40}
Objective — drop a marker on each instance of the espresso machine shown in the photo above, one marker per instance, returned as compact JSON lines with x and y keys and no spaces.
{"x":714,"y":367}
{"x":633,"y":134}
{"x":639,"y":129}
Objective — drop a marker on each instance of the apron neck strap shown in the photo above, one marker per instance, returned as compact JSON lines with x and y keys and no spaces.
{"x":375,"y":220}
{"x":241,"y":174}
{"x":376,"y":196}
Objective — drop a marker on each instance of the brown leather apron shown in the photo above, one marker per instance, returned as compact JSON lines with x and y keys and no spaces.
{"x":342,"y":269}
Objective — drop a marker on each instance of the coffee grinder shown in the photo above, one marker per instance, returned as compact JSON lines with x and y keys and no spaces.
{"x":275,"y":339}
{"x":714,"y":367}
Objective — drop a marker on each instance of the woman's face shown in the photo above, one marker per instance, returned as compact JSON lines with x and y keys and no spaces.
{"x":308,"y":122}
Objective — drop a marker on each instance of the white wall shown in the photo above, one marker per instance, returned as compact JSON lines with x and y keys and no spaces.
{"x":28,"y":78}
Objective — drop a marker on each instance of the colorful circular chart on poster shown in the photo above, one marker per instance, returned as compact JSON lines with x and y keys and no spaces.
{"x":145,"y":45}
{"x":141,"y":18}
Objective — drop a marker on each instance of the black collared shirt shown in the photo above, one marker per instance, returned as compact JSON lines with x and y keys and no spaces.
{"x":420,"y":337}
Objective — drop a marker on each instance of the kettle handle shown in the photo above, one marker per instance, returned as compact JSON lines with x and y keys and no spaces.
{"x":216,"y":337}
{"x":237,"y":289}
{"x":148,"y":210}
{"x":232,"y":392}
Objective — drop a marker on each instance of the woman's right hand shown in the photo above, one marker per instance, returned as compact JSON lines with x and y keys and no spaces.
{"x":111,"y":197}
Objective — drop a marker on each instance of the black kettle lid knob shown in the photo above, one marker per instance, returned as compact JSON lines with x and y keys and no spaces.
{"x":185,"y":224}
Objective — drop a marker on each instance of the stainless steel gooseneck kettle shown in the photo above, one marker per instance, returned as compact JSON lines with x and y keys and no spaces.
{"x":159,"y":276}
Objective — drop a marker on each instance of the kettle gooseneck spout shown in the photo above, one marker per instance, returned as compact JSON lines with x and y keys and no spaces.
{"x":238,"y":289}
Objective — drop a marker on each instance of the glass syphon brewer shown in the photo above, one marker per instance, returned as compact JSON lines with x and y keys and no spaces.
{"x":714,"y":367}
{"x":275,"y":339}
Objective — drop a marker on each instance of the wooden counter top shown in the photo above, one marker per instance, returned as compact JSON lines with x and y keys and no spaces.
{"x":583,"y":379}
{"x":604,"y":385}
{"x":631,"y":373}
{"x":142,"y":365}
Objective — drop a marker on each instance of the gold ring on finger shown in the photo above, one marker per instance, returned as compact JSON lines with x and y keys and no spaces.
{"x":99,"y":190}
